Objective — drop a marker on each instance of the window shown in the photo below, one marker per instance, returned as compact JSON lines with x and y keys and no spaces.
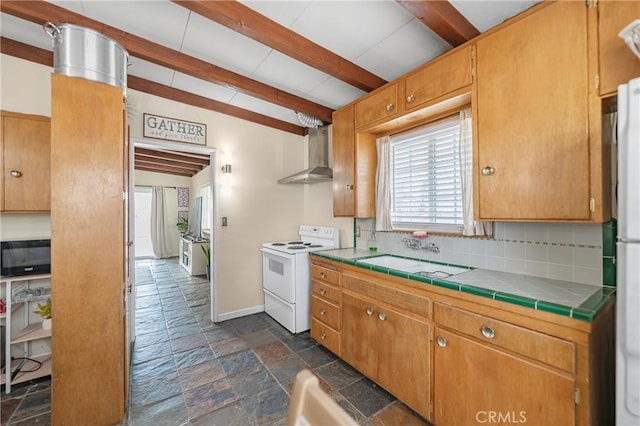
{"x":425,"y":180}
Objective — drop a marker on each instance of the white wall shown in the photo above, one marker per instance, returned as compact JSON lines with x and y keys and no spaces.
{"x":257,"y":208}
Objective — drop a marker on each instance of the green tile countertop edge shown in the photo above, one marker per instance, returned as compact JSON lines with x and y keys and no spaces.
{"x":587,"y":311}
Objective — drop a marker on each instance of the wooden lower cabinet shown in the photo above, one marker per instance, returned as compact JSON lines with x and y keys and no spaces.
{"x":476,"y":383}
{"x":389,"y":347}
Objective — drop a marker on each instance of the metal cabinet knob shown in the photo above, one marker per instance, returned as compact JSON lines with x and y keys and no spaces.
{"x":369,"y":310}
{"x":488,"y":332}
{"x":389,"y":107}
{"x":382,"y":316}
{"x":488,"y":171}
{"x":441,"y":341}
{"x":323,"y":336}
{"x":410,"y":99}
{"x":350,"y":187}
{"x":322,"y":274}
{"x":323,"y":312}
{"x":15,"y":173}
{"x":323,"y":291}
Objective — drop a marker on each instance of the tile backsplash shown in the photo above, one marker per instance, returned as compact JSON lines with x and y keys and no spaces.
{"x":562,"y":251}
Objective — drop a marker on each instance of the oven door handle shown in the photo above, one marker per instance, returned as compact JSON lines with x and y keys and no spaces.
{"x":276,"y":253}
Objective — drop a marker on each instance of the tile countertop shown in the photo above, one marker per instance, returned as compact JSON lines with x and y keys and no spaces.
{"x":574,"y":300}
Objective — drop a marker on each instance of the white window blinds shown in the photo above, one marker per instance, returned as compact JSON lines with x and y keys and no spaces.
{"x":426,"y":188}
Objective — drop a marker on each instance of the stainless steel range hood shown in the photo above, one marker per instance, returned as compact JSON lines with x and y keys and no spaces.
{"x":318,"y":170}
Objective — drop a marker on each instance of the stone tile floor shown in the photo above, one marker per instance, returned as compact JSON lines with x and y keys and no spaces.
{"x":188,"y":370}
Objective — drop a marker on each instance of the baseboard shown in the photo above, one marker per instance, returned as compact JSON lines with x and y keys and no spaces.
{"x":240,"y":313}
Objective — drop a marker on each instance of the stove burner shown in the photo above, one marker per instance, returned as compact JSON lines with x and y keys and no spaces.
{"x":278,"y":244}
{"x":295,"y":242}
{"x":296,"y":247}
{"x":307,"y":244}
{"x":315,"y":245}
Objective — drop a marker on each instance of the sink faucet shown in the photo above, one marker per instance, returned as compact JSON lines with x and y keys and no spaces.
{"x":416,"y":244}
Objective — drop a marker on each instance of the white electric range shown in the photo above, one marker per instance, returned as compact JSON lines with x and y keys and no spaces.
{"x":286,"y":275}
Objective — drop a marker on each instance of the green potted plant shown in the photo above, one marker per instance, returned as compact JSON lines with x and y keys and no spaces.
{"x":207,"y":255}
{"x":183,"y":225}
{"x":44,"y":310}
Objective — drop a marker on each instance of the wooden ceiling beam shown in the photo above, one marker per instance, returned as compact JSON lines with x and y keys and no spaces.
{"x":443,"y":19}
{"x":196,"y":159}
{"x":41,"y":12}
{"x":157,"y":170}
{"x":45,"y":57}
{"x":142,"y":160}
{"x":244,"y":20}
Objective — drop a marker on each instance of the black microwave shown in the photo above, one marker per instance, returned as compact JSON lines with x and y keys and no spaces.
{"x":26,"y":257}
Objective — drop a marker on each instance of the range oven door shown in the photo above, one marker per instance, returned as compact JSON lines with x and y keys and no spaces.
{"x":278,"y":274}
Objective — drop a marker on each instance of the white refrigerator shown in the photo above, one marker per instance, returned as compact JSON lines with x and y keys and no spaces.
{"x":628,"y":257}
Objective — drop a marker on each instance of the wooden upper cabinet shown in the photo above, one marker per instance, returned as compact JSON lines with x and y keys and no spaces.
{"x":378,"y":106}
{"x":26,"y":163}
{"x":438,"y":78}
{"x":343,"y":162}
{"x":354,"y":167}
{"x":531,"y":141}
{"x":617,"y":63}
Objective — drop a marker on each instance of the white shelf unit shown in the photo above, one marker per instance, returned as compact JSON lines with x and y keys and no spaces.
{"x":30,"y":333}
{"x":192,"y":257}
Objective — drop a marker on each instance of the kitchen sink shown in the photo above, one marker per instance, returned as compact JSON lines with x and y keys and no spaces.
{"x":412,"y":266}
{"x":392,"y":262}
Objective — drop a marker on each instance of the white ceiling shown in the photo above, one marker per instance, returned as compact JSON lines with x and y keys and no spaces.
{"x":380,"y":36}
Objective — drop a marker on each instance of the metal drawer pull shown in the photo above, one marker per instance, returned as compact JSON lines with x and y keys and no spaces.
{"x":322,"y":312}
{"x":323,"y":291}
{"x":488,"y":332}
{"x":323,"y":336}
{"x":322,"y":275}
{"x":369,"y":310}
{"x":350,"y":186}
{"x":442,"y":342}
{"x":15,"y":173}
{"x":382,"y":316}
{"x":389,"y":107}
{"x":410,"y":99}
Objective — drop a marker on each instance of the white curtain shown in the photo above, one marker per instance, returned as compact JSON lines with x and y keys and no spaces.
{"x":470,"y":227}
{"x":158,"y":224}
{"x":383,"y":185}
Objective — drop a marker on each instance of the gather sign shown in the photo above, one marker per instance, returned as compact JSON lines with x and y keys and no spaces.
{"x":172,"y":129}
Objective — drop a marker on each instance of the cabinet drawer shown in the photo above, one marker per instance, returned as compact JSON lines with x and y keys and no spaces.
{"x":326,"y":336}
{"x":326,"y":312}
{"x":541,"y":347}
{"x":326,"y":291}
{"x":325,"y":274}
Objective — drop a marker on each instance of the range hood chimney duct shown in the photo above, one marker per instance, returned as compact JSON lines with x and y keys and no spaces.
{"x":318,"y":170}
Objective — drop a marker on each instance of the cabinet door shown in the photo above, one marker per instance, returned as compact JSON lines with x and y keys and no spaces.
{"x":344,"y":162}
{"x":88,"y":222}
{"x":474,"y":383}
{"x":359,"y":344}
{"x":404,"y":358}
{"x":380,"y":105}
{"x":439,"y":78}
{"x":617,"y":63}
{"x":26,"y":163}
{"x":532,"y":118}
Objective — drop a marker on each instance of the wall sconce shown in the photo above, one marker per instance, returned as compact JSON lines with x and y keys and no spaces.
{"x":226,"y":168}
